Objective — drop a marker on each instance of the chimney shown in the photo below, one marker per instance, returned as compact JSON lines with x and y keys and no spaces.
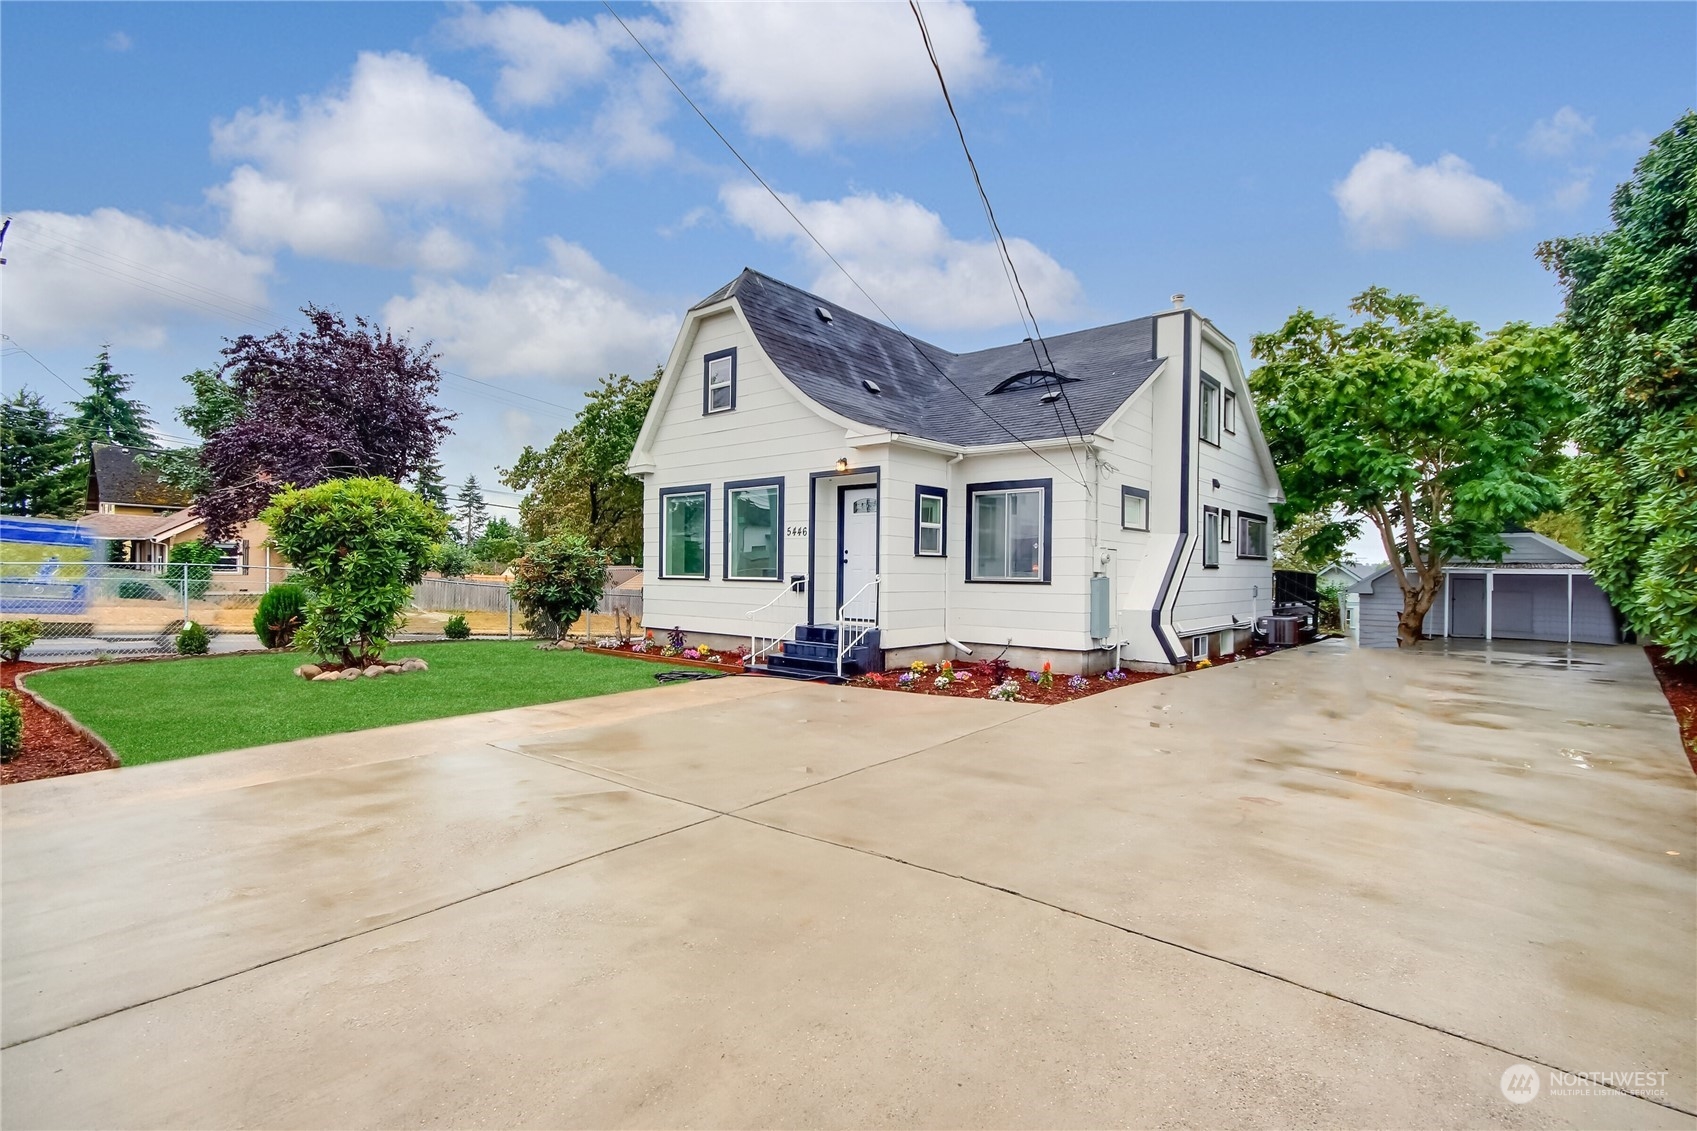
{"x":1178,"y":301}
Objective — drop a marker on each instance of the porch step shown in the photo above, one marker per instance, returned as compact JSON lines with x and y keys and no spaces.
{"x":812,"y":654}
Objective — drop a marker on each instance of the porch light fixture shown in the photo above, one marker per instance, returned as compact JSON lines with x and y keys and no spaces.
{"x":842,"y":465}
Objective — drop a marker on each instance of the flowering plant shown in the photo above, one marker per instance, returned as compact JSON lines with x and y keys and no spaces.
{"x":1034,"y":677}
{"x":676,"y":639}
{"x":918,"y":667}
{"x":642,"y":645}
{"x":1204,"y":664}
{"x":1078,"y":683}
{"x":1113,"y":675}
{"x":607,"y":642}
{"x":906,"y":682}
{"x":691,"y":654}
{"x":942,"y":682}
{"x":669,"y":650}
{"x":1047,"y":679}
{"x":1006,"y":691}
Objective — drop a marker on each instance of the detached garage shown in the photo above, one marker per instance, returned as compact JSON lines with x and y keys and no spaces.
{"x":1541,"y":590}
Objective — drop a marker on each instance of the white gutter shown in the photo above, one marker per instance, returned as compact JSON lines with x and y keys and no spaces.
{"x":949,"y":485}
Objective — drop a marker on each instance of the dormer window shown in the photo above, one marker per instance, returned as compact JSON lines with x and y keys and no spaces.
{"x":1032,"y":379}
{"x":719,"y":383}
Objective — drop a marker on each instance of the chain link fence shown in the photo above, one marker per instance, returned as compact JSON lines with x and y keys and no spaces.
{"x":89,"y":609}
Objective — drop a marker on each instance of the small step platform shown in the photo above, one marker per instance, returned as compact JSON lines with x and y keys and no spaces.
{"x":812,"y":655}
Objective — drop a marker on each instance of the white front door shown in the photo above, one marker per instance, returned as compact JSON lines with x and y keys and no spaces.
{"x":859,"y":553}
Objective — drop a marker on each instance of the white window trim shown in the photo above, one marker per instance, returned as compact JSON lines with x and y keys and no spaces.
{"x":1203,"y":639}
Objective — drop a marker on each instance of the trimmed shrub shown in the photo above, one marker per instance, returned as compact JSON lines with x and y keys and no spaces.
{"x":360,"y":545}
{"x":456,"y":628}
{"x":281,"y":612}
{"x":191,"y":564}
{"x":557,"y":579}
{"x":138,"y":591}
{"x":452,"y":559}
{"x":16,"y":635}
{"x":11,"y":725}
{"x":193,"y":641}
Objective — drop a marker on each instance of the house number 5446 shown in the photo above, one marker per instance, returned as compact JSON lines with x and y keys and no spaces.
{"x":799,"y":530}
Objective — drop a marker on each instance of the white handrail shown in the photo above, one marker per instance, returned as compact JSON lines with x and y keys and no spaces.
{"x":843,"y":643}
{"x":755,"y":651}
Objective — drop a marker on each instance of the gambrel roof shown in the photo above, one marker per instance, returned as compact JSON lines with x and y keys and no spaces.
{"x":873,"y":374}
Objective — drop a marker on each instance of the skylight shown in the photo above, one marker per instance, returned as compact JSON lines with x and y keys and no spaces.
{"x":1032,"y":379}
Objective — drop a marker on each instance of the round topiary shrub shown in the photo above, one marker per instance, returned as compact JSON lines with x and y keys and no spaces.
{"x":193,"y":640}
{"x":456,"y":628}
{"x":281,"y":611}
{"x":11,"y":725}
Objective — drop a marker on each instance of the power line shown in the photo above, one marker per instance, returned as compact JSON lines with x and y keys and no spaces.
{"x":1010,"y":270}
{"x":37,"y":360}
{"x":782,"y":203}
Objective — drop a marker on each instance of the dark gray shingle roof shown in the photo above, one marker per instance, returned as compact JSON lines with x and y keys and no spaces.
{"x":829,"y":361}
{"x":117,"y":477}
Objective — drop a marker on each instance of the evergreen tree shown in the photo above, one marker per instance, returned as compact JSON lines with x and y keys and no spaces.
{"x":473,"y":512}
{"x":429,"y":486}
{"x":39,"y":473}
{"x":108,"y":414}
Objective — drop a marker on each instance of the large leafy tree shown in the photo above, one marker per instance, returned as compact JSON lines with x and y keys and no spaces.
{"x":578,"y":482}
{"x":108,"y":414}
{"x":39,"y":472}
{"x":331,"y":401}
{"x":1632,"y":307}
{"x":1412,"y":420}
{"x":1289,"y":552}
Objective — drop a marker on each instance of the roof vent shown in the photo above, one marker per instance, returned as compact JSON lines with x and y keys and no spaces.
{"x":824,"y":315}
{"x":870,"y":385}
{"x":1051,"y":396}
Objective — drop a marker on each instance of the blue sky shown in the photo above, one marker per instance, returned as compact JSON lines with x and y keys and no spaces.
{"x":518,"y":184}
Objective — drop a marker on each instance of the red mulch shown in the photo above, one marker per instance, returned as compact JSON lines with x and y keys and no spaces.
{"x":51,"y":748}
{"x":1679,"y":684}
{"x":972,"y":681}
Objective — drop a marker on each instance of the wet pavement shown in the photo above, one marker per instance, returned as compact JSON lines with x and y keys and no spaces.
{"x":1330,"y":887}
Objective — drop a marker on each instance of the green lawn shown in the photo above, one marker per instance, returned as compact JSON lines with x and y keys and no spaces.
{"x":153,"y":712}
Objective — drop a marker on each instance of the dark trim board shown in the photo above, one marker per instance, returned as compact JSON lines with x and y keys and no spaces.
{"x":705,"y":490}
{"x":877,"y":544}
{"x":1048,"y":488}
{"x":1237,"y":539}
{"x":1137,"y":492}
{"x":813,"y":522}
{"x":919,"y":492}
{"x":707,"y":408}
{"x":1210,"y":543}
{"x":770,"y":481}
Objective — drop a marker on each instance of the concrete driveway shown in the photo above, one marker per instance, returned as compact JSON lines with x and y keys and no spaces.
{"x":1330,"y":887}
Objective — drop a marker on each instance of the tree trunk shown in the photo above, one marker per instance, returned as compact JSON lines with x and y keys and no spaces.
{"x":1416,"y":603}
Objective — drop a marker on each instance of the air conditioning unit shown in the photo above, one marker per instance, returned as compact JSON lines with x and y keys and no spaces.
{"x":1284,"y":632}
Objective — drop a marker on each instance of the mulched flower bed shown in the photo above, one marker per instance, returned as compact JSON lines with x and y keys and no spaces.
{"x":729,"y":662}
{"x":51,"y":747}
{"x":1679,"y":684}
{"x":975,"y":680}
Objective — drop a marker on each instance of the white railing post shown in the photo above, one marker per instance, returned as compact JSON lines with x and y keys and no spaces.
{"x":843,"y":643}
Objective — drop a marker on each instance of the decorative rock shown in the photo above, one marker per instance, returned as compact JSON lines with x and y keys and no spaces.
{"x":325,"y":677}
{"x":374,"y":671}
{"x":309,"y":671}
{"x":393,"y":669}
{"x":351,"y":673}
{"x":566,"y":646}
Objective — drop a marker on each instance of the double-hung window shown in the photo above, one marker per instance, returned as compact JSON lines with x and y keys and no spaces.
{"x":754,"y":530}
{"x":1210,"y":538}
{"x":931,"y":508}
{"x":230,"y":557}
{"x":1229,"y":411}
{"x":1134,"y":508}
{"x":1251,"y":535}
{"x":1210,"y":412}
{"x":719,"y":382}
{"x":1009,"y":531}
{"x":683,"y":532}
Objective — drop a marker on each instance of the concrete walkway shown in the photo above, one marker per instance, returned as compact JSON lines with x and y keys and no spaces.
{"x":1330,"y":888}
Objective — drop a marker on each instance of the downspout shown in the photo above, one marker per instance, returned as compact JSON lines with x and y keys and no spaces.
{"x":949,"y":485}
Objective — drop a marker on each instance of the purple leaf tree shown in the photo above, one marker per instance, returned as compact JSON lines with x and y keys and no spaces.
{"x":328,"y":402}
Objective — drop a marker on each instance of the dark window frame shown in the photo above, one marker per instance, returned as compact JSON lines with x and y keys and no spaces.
{"x":1228,"y":411}
{"x":1211,"y":543}
{"x":920,"y":491}
{"x":1228,"y":532}
{"x":1134,"y":493}
{"x":1205,"y":416}
{"x":742,"y":485}
{"x":1047,"y":486}
{"x":707,"y":408}
{"x":1244,"y":518}
{"x":705,"y":490}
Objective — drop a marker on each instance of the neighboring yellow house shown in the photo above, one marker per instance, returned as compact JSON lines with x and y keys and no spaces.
{"x":129,"y":506}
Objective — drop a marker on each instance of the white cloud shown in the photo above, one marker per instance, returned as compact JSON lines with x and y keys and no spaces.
{"x":807,"y":73}
{"x":353,"y":175}
{"x":1386,"y":197}
{"x":572,"y":321}
{"x":541,"y":60}
{"x":1557,"y":135}
{"x":111,"y":276}
{"x":119,"y":41}
{"x":1575,"y":192}
{"x":902,"y":253}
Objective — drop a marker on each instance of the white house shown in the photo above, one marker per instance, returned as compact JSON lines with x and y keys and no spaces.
{"x":1342,"y":576}
{"x":816,"y":479}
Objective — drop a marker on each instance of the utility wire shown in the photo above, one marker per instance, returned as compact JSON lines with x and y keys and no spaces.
{"x":1009,"y":269}
{"x":817,"y":242}
{"x":38,"y":361}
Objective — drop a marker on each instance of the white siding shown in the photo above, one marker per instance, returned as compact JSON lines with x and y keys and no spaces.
{"x":1209,"y":599}
{"x":772,"y":432}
